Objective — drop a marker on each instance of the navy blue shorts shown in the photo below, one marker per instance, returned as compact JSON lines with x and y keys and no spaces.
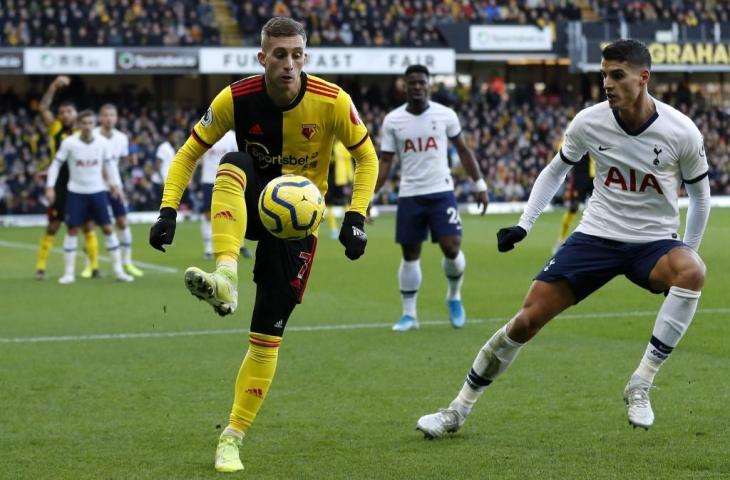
{"x":207,"y":196}
{"x":119,"y":209}
{"x":437,"y":212}
{"x":588,"y":262}
{"x":81,"y":207}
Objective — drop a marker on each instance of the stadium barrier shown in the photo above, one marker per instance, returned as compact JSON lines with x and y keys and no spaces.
{"x":495,"y":208}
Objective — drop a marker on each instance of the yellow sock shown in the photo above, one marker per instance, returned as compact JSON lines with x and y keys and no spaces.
{"x":331,"y":220}
{"x":92,"y":248}
{"x":568,"y":218}
{"x":254,"y":379}
{"x":228,"y":212}
{"x":43,"y":250}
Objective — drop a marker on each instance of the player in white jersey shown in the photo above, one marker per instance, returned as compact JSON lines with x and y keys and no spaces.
{"x":209,"y":168}
{"x":163,"y":158}
{"x":88,"y":157}
{"x":643,"y":150}
{"x":119,"y":144}
{"x":419,"y":132}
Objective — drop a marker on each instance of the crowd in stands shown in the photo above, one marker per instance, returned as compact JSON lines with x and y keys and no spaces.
{"x":387,"y":23}
{"x":687,"y":12}
{"x":94,"y":23}
{"x":512,"y":133}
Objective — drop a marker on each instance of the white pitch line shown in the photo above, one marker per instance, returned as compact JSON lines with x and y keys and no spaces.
{"x":313,"y":328}
{"x":144,"y":265}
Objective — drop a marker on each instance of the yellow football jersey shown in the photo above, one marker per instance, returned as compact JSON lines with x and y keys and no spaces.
{"x":294,"y":139}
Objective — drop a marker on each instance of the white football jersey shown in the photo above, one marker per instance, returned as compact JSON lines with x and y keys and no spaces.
{"x":86,"y":163}
{"x":421,"y":142}
{"x":212,"y":157}
{"x":165,"y":152}
{"x":638,"y":174}
{"x":119,"y":144}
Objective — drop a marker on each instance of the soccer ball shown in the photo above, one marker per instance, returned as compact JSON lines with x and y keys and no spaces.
{"x":291,"y":207}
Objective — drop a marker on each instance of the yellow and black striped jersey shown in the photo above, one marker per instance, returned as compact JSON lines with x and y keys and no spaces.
{"x":294,"y":139}
{"x":57,"y":133}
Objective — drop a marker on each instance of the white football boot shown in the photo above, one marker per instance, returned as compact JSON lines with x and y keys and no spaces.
{"x":66,"y":279}
{"x":636,"y":396}
{"x":436,"y":425}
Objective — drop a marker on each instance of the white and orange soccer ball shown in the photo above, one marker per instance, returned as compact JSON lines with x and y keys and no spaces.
{"x":291,"y":207}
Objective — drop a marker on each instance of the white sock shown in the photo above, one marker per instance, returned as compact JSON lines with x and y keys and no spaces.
{"x":206,"y":230}
{"x":454,"y":270}
{"x":70,"y":244}
{"x":672,"y":321}
{"x":125,"y":244}
{"x":112,"y":246}
{"x":409,"y":280}
{"x":493,"y":359}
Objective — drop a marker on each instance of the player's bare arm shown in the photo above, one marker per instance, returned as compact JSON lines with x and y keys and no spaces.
{"x":386,"y":163}
{"x":47,"y":99}
{"x":472,"y":168}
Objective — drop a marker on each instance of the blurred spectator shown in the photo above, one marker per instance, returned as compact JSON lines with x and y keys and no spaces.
{"x":687,"y":12}
{"x":513,"y":134}
{"x":51,"y":23}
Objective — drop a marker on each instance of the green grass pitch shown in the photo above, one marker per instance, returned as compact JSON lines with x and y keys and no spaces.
{"x":345,"y":401}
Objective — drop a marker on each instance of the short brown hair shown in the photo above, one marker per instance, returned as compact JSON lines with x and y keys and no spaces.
{"x":108,"y":106}
{"x":83,"y":114}
{"x":282,"y":27}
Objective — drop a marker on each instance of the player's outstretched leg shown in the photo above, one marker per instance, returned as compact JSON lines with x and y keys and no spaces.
{"x":454,"y":271}
{"x":493,"y":359}
{"x":672,"y":322}
{"x":409,"y":279}
{"x":228,"y":222}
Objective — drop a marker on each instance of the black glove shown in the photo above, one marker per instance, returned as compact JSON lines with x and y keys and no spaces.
{"x":353,"y":236}
{"x":163,"y":230}
{"x":507,"y":237}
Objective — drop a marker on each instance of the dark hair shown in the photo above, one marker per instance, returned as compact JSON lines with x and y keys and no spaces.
{"x":282,"y":27}
{"x":630,"y":51}
{"x":84,"y":114}
{"x":67,"y":103}
{"x":417,"y":69}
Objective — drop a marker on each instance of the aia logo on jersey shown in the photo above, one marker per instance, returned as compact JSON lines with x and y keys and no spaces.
{"x":309,"y":130}
{"x":648,"y":181}
{"x":86,"y":163}
{"x":419,"y":145}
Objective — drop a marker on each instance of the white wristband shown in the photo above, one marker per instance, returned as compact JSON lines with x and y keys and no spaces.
{"x":480,"y":186}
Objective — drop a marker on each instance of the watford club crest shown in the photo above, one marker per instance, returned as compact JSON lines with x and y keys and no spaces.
{"x":309,"y":130}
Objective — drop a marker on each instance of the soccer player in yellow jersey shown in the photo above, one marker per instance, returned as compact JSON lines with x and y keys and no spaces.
{"x":285,"y":122}
{"x":58,"y":129}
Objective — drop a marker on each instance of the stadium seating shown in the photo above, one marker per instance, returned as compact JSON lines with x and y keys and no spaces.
{"x":109,"y":23}
{"x":513,"y":134}
{"x":385,"y":23}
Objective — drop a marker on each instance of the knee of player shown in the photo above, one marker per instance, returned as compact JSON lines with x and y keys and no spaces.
{"x":526,"y":324}
{"x":240,"y":160}
{"x":692,"y":276}
{"x":451,"y":251}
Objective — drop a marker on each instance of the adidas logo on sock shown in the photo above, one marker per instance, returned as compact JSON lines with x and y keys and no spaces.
{"x":256,"y":392}
{"x":279,"y":324}
{"x":225,"y":214}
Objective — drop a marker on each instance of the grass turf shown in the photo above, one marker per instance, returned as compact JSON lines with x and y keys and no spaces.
{"x":345,"y":401}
